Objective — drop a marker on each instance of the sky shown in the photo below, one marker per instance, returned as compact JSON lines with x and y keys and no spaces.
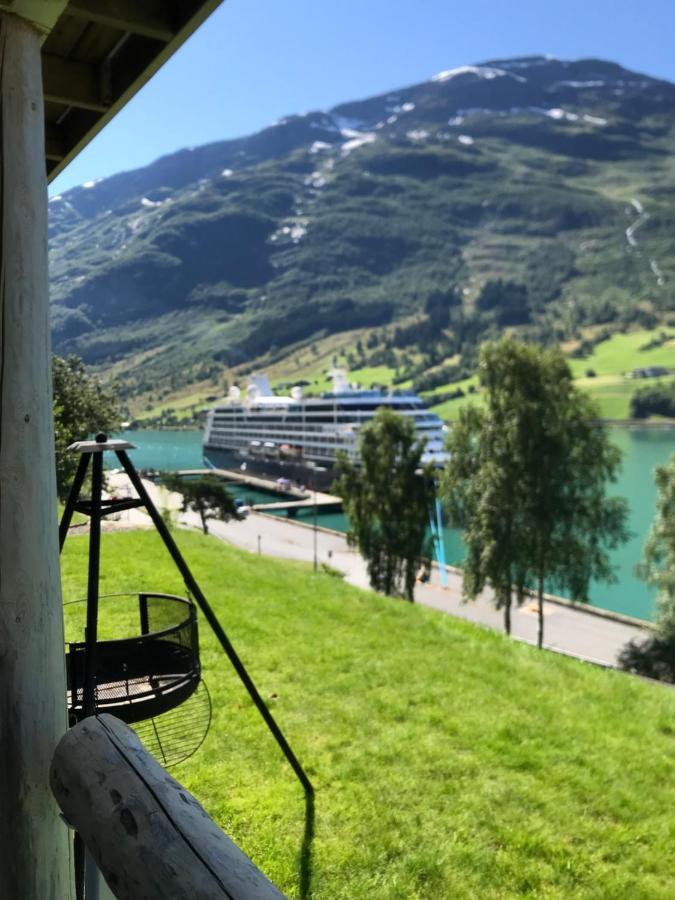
{"x":255,"y":61}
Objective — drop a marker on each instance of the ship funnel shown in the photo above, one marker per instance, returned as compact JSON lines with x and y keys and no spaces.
{"x":259,"y":386}
{"x":234,"y":393}
{"x":296,"y":393}
{"x":340,"y":381}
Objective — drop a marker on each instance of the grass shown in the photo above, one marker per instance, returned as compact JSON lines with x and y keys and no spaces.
{"x":448,"y":760}
{"x":609,"y":360}
{"x":182,"y":405}
{"x":621,"y":353}
{"x":370,"y":375}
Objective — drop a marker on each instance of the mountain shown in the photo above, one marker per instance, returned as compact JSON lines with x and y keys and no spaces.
{"x":532,"y":193}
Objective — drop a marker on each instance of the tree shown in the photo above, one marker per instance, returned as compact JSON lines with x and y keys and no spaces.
{"x":82,"y":407}
{"x":206,"y":496}
{"x":388,"y":499}
{"x":654,"y":400}
{"x":655,"y":657}
{"x":527,"y":478}
{"x":507,"y":300}
{"x":479,"y":487}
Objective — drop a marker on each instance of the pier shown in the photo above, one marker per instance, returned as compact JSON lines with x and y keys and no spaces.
{"x":298,"y":499}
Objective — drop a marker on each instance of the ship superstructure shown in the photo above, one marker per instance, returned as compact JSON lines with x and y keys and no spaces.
{"x":298,"y":437}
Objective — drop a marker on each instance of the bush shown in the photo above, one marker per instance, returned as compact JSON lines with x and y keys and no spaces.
{"x":654,"y":400}
{"x":653,"y":658}
{"x":590,"y":373}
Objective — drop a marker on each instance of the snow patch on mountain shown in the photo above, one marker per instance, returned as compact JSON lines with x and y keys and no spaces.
{"x":582,"y":84}
{"x":401,"y":108}
{"x":594,"y":120}
{"x":316,"y":180}
{"x":417,"y":134}
{"x":556,"y":113}
{"x":486,"y":72}
{"x":356,"y":139}
{"x":348,"y":123}
{"x":465,"y":139}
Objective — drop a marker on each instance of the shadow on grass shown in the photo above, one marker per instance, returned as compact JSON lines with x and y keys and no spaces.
{"x":305,"y":859}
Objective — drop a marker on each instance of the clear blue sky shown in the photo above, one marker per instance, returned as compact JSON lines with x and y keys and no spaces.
{"x":255,"y":61}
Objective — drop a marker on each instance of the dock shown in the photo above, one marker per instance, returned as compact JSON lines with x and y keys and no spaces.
{"x":298,"y":499}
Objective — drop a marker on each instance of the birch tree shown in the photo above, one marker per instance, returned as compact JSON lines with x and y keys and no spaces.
{"x":527,"y":479}
{"x":388,"y":498}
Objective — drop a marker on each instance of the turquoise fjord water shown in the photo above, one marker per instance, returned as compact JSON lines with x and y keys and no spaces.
{"x":643,"y":449}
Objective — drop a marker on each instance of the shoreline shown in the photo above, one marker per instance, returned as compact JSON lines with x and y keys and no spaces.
{"x":655,"y":424}
{"x":588,"y":608}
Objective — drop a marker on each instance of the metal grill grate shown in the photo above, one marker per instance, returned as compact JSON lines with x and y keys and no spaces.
{"x":144,"y":676}
{"x":176,"y":735}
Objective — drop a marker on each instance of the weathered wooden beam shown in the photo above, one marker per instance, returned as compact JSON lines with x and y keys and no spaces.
{"x":146,"y":17}
{"x":54,"y":148}
{"x":71,"y":83}
{"x":142,"y":65}
{"x":41,"y":14}
{"x":149,"y":836}
{"x":34,"y":857}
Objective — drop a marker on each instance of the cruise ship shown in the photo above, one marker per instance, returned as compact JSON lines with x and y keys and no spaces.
{"x":297,"y":438}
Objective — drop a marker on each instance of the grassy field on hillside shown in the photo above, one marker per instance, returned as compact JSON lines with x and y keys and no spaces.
{"x":448,"y":760}
{"x":609,"y":360}
{"x":622,"y":353}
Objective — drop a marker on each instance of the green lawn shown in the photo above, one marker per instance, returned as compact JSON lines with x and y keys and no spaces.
{"x":380,"y":375}
{"x":621,"y":353}
{"x":448,"y":760}
{"x":613,"y":393}
{"x":181,"y":405}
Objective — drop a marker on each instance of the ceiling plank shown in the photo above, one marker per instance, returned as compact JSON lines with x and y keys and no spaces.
{"x":113,"y":75}
{"x":54,"y":149}
{"x":145,"y":17}
{"x":71,"y":83}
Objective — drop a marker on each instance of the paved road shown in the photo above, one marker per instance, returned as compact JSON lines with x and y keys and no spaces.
{"x":566,"y":629}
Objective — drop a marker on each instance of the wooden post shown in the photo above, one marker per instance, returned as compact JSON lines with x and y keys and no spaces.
{"x":149,"y":836}
{"x":34,"y":843}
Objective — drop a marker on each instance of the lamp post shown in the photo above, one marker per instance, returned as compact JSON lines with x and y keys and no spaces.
{"x":314,"y":469}
{"x":315,"y":526}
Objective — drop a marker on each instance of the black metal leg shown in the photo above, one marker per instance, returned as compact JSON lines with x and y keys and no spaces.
{"x":78,"y":853}
{"x":72,"y":498}
{"x":89,"y":705}
{"x":211,"y":618}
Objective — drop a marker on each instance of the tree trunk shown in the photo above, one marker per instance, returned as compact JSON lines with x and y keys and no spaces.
{"x":202,"y":516}
{"x":540,"y":611}
{"x":34,"y":842}
{"x":507,"y":613}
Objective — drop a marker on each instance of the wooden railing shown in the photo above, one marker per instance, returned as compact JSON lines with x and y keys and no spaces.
{"x":148,"y":835}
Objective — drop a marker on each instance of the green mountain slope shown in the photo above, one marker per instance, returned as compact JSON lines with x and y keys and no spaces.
{"x":530,"y":193}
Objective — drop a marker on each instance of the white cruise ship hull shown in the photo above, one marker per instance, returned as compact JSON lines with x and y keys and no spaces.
{"x":299,"y":439}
